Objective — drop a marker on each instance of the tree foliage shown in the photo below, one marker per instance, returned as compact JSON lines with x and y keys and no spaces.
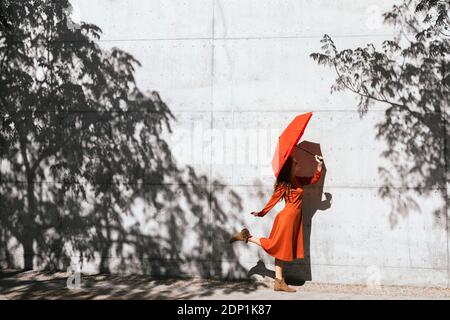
{"x":80,"y":142}
{"x":410,"y":75}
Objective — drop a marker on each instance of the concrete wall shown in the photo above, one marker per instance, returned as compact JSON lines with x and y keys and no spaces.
{"x":242,"y":68}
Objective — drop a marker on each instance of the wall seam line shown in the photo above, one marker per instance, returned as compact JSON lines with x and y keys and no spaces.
{"x":211,"y":262}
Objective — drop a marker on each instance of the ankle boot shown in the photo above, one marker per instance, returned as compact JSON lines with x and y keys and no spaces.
{"x":280,"y":285}
{"x":243,"y":235}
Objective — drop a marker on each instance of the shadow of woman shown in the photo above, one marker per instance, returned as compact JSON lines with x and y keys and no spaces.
{"x":298,"y":271}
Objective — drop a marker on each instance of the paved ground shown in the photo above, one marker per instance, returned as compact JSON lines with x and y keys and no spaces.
{"x":50,"y":285}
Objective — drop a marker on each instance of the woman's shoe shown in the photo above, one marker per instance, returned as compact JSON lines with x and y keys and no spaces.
{"x":243,"y":235}
{"x":280,"y":285}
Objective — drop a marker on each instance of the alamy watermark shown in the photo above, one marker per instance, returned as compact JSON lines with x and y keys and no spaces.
{"x":74,"y":279}
{"x":374,"y":18}
{"x":199,"y":144}
{"x":74,"y":14}
{"x":373,"y":278}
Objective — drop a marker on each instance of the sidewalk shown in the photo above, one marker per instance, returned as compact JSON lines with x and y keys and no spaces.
{"x":51,"y":285}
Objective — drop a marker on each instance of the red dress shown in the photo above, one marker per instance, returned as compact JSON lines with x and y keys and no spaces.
{"x":285,"y":241}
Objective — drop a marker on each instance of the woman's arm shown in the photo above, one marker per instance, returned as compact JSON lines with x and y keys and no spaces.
{"x":310,"y":180}
{"x":316,"y":177}
{"x":276,"y":196}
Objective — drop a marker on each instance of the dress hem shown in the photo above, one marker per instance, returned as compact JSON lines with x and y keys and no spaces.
{"x":274,"y":256}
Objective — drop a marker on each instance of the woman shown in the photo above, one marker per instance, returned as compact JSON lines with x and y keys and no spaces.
{"x":285,"y":241}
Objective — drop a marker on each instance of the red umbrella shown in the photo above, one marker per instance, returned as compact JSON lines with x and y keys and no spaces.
{"x":288,"y":139}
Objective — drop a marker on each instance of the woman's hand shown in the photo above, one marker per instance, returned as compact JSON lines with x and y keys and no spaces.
{"x":319,"y":159}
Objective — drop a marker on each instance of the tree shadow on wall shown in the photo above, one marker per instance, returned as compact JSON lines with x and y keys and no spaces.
{"x":86,"y":175}
{"x":299,"y":270}
{"x":409,"y":75}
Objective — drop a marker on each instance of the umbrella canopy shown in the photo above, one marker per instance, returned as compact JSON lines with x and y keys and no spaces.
{"x":302,"y":152}
{"x":288,"y":139}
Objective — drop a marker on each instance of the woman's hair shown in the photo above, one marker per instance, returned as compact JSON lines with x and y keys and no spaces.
{"x":285,"y":176}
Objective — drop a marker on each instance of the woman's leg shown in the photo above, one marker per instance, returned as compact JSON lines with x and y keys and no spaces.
{"x":278,"y":263}
{"x":280,"y":284}
{"x":278,"y":269}
{"x":254,"y":240}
